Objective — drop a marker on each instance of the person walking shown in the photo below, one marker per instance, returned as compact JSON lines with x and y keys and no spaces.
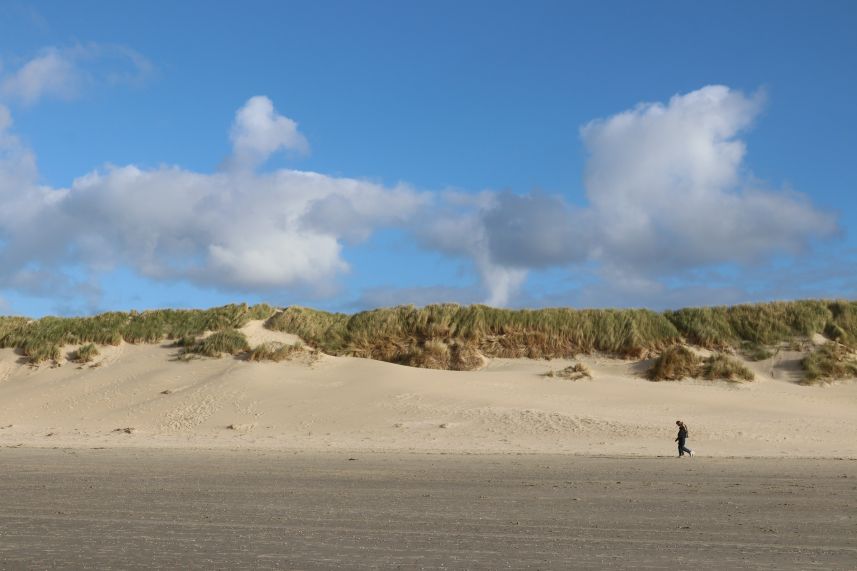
{"x":681,"y":438}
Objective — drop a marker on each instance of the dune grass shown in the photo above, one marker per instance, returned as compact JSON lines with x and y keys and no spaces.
{"x":453,"y":336}
{"x":830,"y":362}
{"x":766,"y":324}
{"x":37,"y":353}
{"x":674,"y":364}
{"x":679,"y":362}
{"x":449,"y":336}
{"x":85,"y":353}
{"x":38,"y":338}
{"x":719,"y":366}
{"x":274,"y":351}
{"x":229,"y":341}
{"x":756,"y":352}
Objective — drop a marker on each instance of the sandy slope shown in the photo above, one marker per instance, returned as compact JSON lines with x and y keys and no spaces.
{"x":358,"y":404}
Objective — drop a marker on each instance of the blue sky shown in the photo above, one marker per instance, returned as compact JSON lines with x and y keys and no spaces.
{"x":347,"y":155}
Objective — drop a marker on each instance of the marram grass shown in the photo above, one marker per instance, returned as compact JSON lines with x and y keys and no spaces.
{"x":40,"y":340}
{"x":455,"y":337}
{"x":85,"y":353}
{"x":829,"y":362}
{"x":274,"y":351}
{"x":719,"y":366}
{"x":679,"y":362}
{"x":452,"y":336}
{"x":229,"y":341}
{"x":674,"y":364}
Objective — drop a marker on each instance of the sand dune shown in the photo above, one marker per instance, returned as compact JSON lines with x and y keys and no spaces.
{"x":344,"y":403}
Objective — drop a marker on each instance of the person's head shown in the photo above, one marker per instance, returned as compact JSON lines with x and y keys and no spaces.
{"x":679,"y":423}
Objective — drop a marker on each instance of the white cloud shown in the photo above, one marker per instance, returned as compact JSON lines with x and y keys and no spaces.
{"x":259,"y":131}
{"x":237,"y":230}
{"x":64,"y":73}
{"x":51,"y":74}
{"x":667,"y":193}
{"x":667,"y":190}
{"x":455,"y":226}
{"x":666,"y":186}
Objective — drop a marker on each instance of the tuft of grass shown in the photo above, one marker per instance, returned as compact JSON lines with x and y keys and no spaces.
{"x":573,"y":372}
{"x":85,"y":353}
{"x":37,"y":353}
{"x":674,"y":364}
{"x":274,"y":351}
{"x":719,"y":366}
{"x":230,"y":341}
{"x":260,"y":311}
{"x":829,"y":362}
{"x":318,"y":328}
{"x":755,"y":351}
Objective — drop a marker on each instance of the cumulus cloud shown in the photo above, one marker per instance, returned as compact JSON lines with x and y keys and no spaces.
{"x":535,"y":231}
{"x":666,"y":187}
{"x":259,"y":131}
{"x":465,"y":235}
{"x":237,"y":229}
{"x":667,"y":192}
{"x":64,"y":73}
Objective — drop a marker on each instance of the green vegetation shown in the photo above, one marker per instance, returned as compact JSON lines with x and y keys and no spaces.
{"x":674,"y":364}
{"x":829,"y":362}
{"x":679,"y":362}
{"x":229,"y":341}
{"x":457,"y":337}
{"x":766,"y":324}
{"x":453,"y":336}
{"x":41,"y":339}
{"x":719,"y":366}
{"x":85,"y":353}
{"x":39,"y":353}
{"x":756,"y":352}
{"x":274,"y":351}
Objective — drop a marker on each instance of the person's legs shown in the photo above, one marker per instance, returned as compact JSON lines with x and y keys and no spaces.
{"x":681,"y":447}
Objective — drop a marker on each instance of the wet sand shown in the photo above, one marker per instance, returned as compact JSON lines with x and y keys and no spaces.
{"x":222,"y":509}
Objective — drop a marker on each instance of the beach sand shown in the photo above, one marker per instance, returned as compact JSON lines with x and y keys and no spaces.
{"x":141,"y":396}
{"x":240,"y":509}
{"x":142,"y":461}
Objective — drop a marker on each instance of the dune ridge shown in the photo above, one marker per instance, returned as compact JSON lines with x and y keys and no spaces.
{"x":142,"y":395}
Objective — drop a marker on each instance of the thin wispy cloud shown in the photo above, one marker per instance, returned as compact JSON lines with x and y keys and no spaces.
{"x":66,"y":73}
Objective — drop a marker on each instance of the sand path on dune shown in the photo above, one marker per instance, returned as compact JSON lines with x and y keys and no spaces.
{"x":358,"y":404}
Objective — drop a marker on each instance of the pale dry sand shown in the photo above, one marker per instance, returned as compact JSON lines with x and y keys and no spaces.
{"x":349,"y":404}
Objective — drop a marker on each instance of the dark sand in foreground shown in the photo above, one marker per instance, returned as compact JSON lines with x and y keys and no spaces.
{"x":153,"y":509}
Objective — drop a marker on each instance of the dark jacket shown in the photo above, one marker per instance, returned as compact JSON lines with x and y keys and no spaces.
{"x":682,"y":434}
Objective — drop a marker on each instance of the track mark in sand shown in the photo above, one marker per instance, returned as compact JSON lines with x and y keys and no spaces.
{"x":191,"y":414}
{"x":538,"y":421}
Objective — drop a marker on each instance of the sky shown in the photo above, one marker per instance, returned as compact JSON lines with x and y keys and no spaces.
{"x":350,"y":155}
